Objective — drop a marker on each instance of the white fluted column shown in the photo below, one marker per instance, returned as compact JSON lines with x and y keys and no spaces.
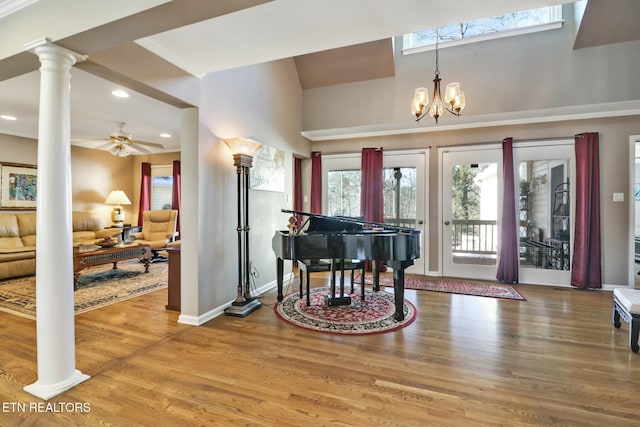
{"x":54,"y":242}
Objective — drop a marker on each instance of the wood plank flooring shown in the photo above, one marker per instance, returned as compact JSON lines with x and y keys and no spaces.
{"x":554,"y":360}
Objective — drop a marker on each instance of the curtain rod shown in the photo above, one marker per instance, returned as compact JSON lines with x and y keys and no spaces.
{"x":428,"y":147}
{"x":514,"y":141}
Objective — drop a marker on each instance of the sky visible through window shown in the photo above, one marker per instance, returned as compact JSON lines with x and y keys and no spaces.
{"x":480,"y":27}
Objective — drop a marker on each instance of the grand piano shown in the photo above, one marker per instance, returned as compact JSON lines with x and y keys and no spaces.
{"x":342,"y":238}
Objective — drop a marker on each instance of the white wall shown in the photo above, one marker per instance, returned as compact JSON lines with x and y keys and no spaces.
{"x":262,"y":102}
{"x":528,"y":72}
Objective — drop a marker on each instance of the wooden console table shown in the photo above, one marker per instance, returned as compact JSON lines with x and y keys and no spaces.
{"x":173,"y":299}
{"x":82,"y":260}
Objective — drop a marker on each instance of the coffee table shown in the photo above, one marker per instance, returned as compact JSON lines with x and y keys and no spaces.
{"x":115,"y":254}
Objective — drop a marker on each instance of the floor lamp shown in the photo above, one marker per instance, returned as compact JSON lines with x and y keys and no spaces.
{"x":243,"y":150}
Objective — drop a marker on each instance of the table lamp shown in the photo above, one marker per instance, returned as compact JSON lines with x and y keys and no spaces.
{"x":117,"y":198}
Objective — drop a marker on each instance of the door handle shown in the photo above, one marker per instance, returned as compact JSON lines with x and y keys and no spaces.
{"x":446,"y":222}
{"x":420,"y":222}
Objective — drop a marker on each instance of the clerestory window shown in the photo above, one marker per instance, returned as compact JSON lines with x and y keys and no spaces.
{"x":509,"y":24}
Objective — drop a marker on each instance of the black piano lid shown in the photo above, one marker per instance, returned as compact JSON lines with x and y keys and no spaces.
{"x":325,"y":223}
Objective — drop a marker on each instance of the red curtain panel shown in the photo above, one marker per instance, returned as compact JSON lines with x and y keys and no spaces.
{"x":508,"y":262}
{"x":585,"y":268}
{"x":371,"y":191}
{"x":145,"y":190}
{"x":316,"y":182}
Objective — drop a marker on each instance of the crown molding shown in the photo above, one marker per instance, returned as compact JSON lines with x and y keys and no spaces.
{"x":7,"y":7}
{"x":547,"y":115}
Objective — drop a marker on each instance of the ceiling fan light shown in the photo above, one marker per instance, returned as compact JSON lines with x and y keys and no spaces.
{"x":124,"y":151}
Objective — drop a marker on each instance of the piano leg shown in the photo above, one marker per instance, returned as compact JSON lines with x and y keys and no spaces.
{"x":398,"y":291}
{"x":332,"y":300}
{"x":333,"y":279}
{"x":341,"y":278}
{"x":279,"y":277}
{"x":362,"y":285}
{"x":398,"y":286}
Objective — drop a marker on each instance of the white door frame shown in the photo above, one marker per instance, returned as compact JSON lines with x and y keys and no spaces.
{"x":633,"y":140}
{"x":531,"y":150}
{"x":441,"y":219}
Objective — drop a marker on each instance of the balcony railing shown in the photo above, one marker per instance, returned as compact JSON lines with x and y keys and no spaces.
{"x":479,"y":237}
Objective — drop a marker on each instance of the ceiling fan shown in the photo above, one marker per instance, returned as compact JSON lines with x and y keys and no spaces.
{"x":122,"y":144}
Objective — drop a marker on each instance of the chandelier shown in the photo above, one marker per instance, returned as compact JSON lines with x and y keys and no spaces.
{"x":453,"y":102}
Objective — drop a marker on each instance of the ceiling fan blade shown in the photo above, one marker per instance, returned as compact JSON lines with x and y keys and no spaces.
{"x":88,"y":140}
{"x":140,"y":148}
{"x":148,"y":144}
{"x":106,"y":146}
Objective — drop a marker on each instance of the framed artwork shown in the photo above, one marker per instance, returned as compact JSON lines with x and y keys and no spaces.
{"x":267,"y":172}
{"x":18,"y":185}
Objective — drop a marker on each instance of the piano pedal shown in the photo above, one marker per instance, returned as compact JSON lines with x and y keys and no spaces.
{"x":336,"y":301}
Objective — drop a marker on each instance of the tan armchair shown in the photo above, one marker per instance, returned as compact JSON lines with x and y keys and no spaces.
{"x":158,"y":230}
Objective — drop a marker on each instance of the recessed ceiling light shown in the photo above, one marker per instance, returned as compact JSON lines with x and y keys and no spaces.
{"x":165,"y":135}
{"x":7,"y":117}
{"x":120,"y":93}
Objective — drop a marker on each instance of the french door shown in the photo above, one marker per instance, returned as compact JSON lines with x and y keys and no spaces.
{"x":405,"y":192}
{"x":470,"y":200}
{"x":405,"y":197}
{"x":545,"y":207}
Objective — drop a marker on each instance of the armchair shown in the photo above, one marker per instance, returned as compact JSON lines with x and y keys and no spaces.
{"x":158,"y":230}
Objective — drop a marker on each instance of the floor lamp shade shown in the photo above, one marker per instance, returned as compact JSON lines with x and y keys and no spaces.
{"x":117,"y":198}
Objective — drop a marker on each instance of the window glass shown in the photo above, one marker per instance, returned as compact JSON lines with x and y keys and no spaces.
{"x":161,"y":186}
{"x":344,"y":192}
{"x":400,"y":192}
{"x":507,"y":23}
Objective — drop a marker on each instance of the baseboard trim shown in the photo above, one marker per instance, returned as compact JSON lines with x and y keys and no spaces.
{"x":217,"y":311}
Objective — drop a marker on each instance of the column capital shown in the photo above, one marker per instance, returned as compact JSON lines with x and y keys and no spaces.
{"x":44,"y":49}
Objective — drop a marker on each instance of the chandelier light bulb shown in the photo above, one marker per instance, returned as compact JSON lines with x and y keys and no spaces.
{"x":437,"y":108}
{"x":420,"y":99}
{"x":451,"y":93}
{"x":460,"y":102}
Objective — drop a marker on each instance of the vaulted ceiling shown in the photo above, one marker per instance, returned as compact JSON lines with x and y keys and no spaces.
{"x":331,"y":41}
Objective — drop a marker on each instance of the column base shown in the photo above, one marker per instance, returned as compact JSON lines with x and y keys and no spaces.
{"x":241,"y":309}
{"x":47,"y":391}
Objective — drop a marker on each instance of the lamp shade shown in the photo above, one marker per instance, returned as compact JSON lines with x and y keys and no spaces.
{"x":246,"y":146}
{"x":117,"y":197}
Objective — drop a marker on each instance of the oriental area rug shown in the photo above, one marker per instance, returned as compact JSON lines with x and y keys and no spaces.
{"x":374,"y":315}
{"x":97,"y":287}
{"x":452,"y":286}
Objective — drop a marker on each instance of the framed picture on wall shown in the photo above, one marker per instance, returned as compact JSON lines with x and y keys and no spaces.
{"x":268,"y":170}
{"x":18,"y":186}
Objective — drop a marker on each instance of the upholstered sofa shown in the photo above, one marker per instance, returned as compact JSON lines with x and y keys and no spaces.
{"x":18,"y":240}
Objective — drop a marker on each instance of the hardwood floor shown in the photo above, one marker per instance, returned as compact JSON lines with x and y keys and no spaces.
{"x":554,"y":360}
